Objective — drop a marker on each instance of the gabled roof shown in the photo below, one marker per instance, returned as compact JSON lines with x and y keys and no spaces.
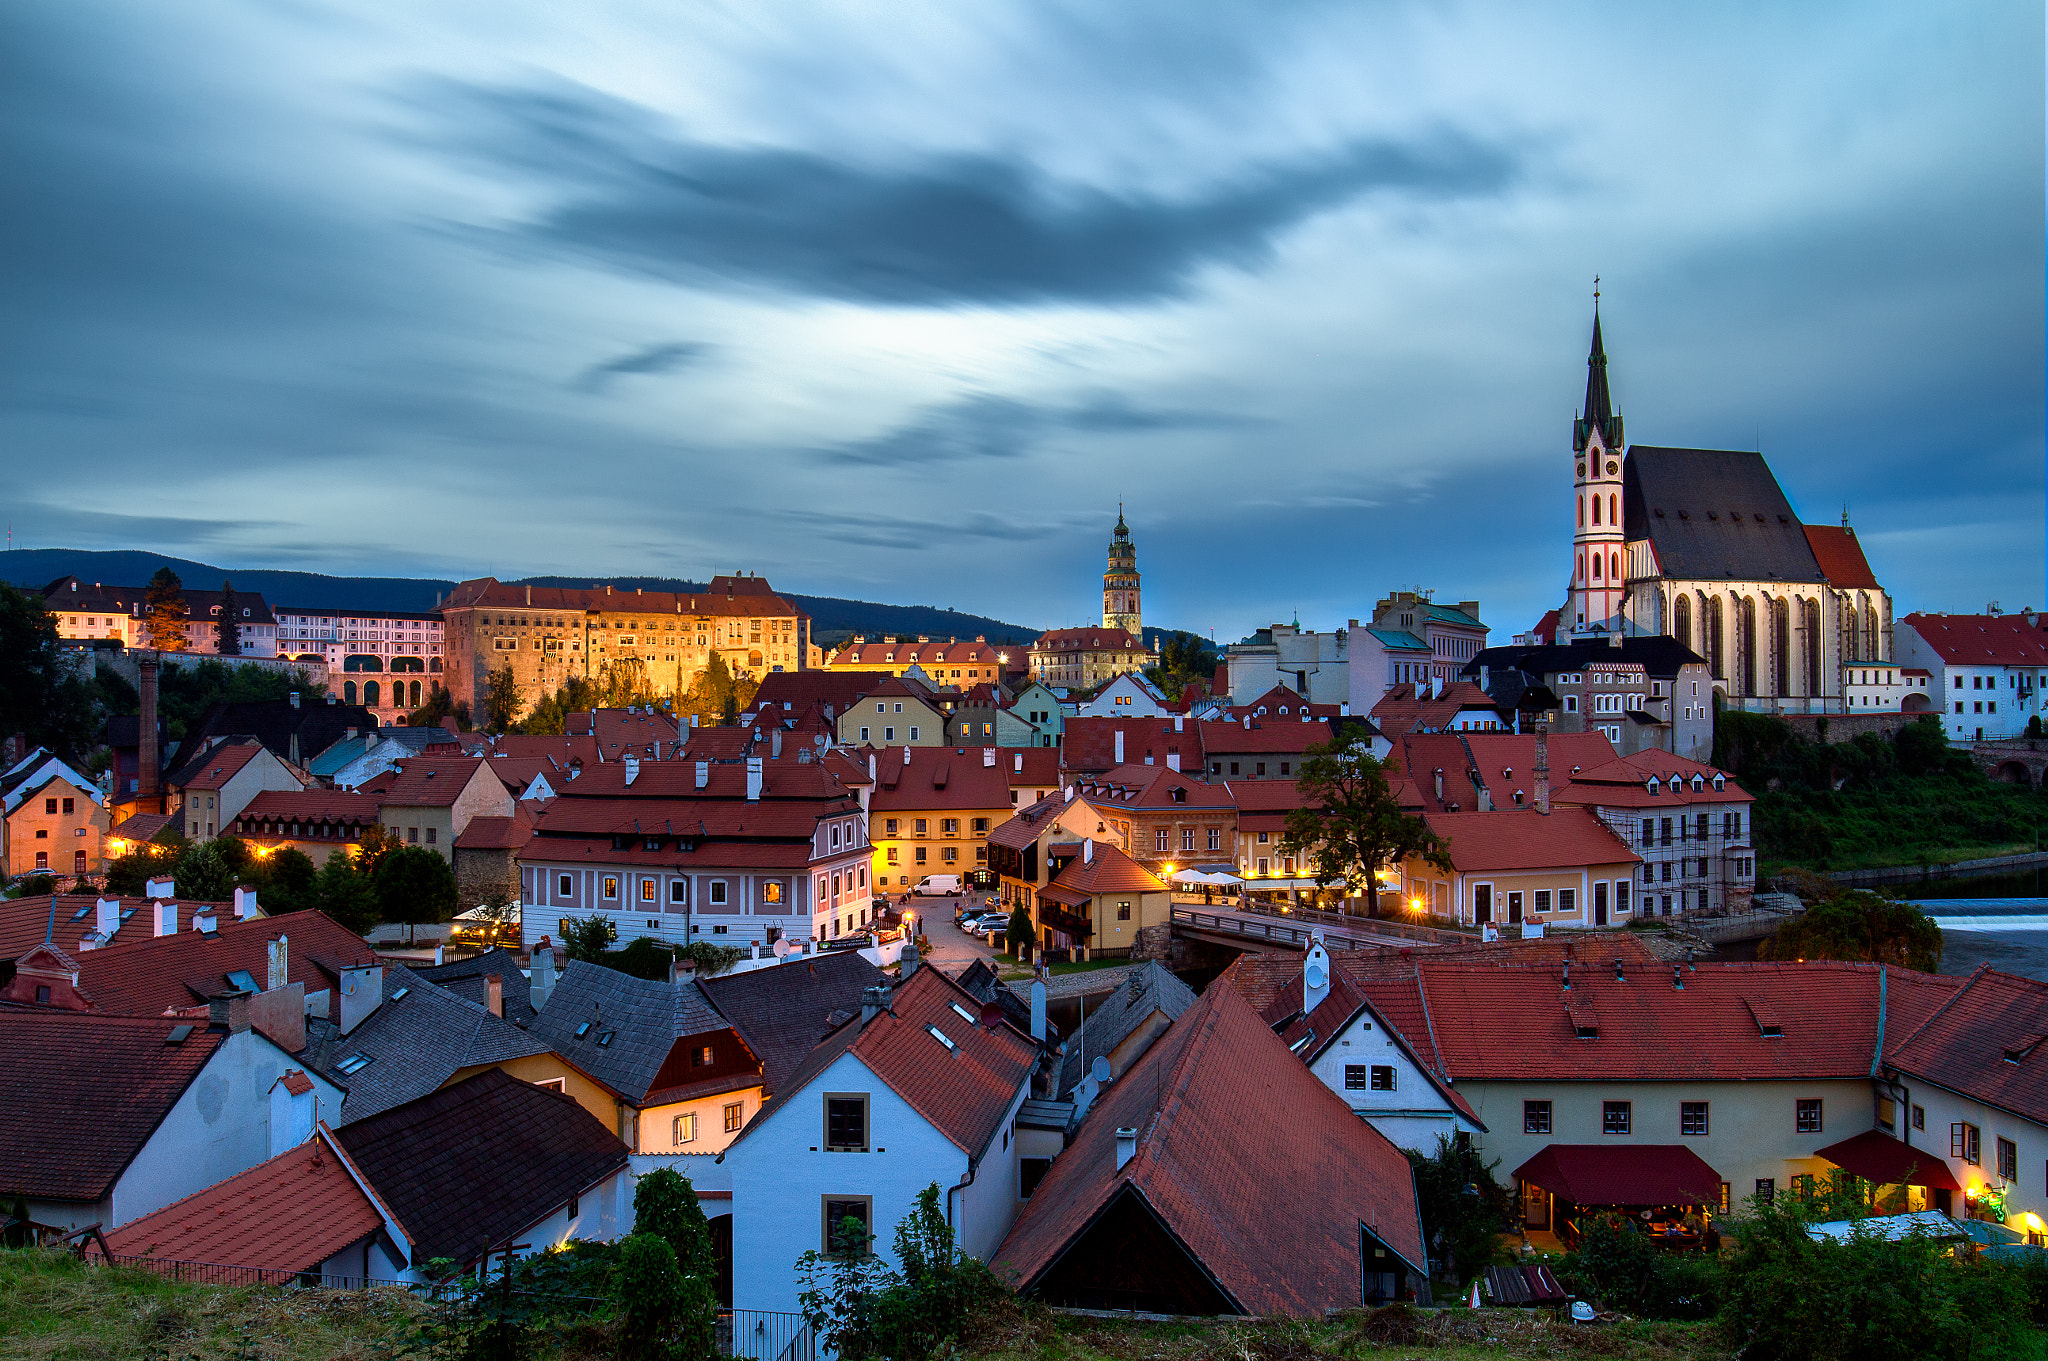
{"x":1989,"y":1042}
{"x":1659,"y":655}
{"x":1108,"y":871}
{"x":1260,"y":1170}
{"x":724,"y":595}
{"x":939,"y":778}
{"x":1714,"y":515}
{"x":473,"y":1164}
{"x":214,"y":767}
{"x":1025,"y":826}
{"x":1522,"y":838}
{"x":1505,"y":763}
{"x":67,"y":918}
{"x":1982,"y":639}
{"x":1088,"y":639}
{"x":466,"y":978}
{"x":311,"y":805}
{"x":1408,"y":708}
{"x":494,"y":833}
{"x":1841,"y":558}
{"x":782,"y":1013}
{"x":1089,"y":744}
{"x":630,"y":1025}
{"x":625,"y":732}
{"x":429,"y":781}
{"x":789,"y":693}
{"x":1285,"y":735}
{"x":414,"y":1043}
{"x":1149,"y":989}
{"x":86,"y":1092}
{"x":274,"y":723}
{"x":150,"y":975}
{"x":290,"y":1213}
{"x":1150,"y":788}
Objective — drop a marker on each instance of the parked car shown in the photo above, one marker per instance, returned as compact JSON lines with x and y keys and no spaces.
{"x":937,"y":886}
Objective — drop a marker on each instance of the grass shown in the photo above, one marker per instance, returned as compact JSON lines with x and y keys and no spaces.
{"x":1931,"y":820}
{"x":1391,"y":1334}
{"x":1011,"y":968}
{"x":55,"y":1308}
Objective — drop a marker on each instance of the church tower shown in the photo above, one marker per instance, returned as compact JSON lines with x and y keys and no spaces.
{"x":1120,"y":598}
{"x":1599,"y":552}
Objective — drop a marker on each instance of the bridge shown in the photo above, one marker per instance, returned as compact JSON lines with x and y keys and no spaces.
{"x":2015,"y":760}
{"x":1254,"y":931}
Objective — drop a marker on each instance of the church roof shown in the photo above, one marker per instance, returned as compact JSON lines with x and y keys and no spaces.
{"x":1714,"y":515}
{"x":1599,"y":413}
{"x":1841,"y":557}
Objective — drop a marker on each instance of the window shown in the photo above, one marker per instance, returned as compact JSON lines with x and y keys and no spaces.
{"x":1535,"y":1117}
{"x":949,"y":826}
{"x":1187,"y":838}
{"x":1215,"y":838}
{"x":1964,"y":1143}
{"x":564,"y":887}
{"x":1807,"y":1121}
{"x":1766,"y":1190}
{"x":913,"y":732}
{"x":412,"y":836}
{"x":1616,"y":1117}
{"x":1030,"y":1172}
{"x":846,"y":1123}
{"x":1354,"y":1077}
{"x":1382,"y":1077}
{"x":1542,"y":900}
{"x":733,"y":1115}
{"x":863,"y":736}
{"x":700,"y":1056}
{"x":432,"y":832}
{"x":647,"y":890}
{"x":1919,"y":1117}
{"x":676,"y":892}
{"x":837,"y":1237}
{"x":718,"y":893}
{"x":1123,"y":911}
{"x":685,"y":1128}
{"x":611,"y":887}
{"x":1692,"y":1117}
{"x":1567,"y":900}
{"x":919,"y":855}
{"x":917,"y":826}
{"x":2008,"y":1160}
{"x":950,"y":854}
{"x":1159,"y":842}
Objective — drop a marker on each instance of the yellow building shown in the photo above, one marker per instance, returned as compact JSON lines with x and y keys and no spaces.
{"x":948,"y":663}
{"x":1083,"y":658}
{"x":932,"y":809}
{"x":895,"y":713}
{"x":1561,"y":868}
{"x":54,"y":822}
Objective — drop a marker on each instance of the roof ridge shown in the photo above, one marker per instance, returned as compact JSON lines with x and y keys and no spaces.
{"x":1174,"y":1088}
{"x":1956,"y":996}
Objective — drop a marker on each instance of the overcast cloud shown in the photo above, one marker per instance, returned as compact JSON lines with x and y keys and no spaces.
{"x":899,"y":301}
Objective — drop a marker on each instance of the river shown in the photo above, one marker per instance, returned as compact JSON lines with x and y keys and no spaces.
{"x":1997,"y":919}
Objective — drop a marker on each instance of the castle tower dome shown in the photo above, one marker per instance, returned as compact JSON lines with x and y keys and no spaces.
{"x":1122,"y":606}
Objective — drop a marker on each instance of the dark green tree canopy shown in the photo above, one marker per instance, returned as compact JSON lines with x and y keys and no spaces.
{"x":1351,"y":824}
{"x":415,"y":886}
{"x":38,"y":695}
{"x":163,"y":612}
{"x":227,"y":629}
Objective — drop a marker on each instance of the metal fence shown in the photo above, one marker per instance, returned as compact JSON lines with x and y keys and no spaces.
{"x":217,"y":1273}
{"x":1355,"y":935}
{"x":761,"y":1335}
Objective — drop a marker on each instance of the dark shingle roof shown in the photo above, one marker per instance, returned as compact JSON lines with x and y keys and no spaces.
{"x":783,"y":1012}
{"x":643,"y":1017}
{"x":274,"y":723}
{"x":470,"y":1165}
{"x":465,"y":978}
{"x":1714,"y":515}
{"x":414,"y":1044}
{"x":1149,"y":988}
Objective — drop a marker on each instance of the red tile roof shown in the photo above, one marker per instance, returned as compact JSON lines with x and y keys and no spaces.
{"x":1023,"y":828}
{"x":214,"y":767}
{"x":290,"y":1213}
{"x":915,"y":778}
{"x":1989,"y":1043}
{"x":926,"y":652}
{"x":1110,"y":871}
{"x":1261,"y":1171}
{"x":1624,"y":783}
{"x":86,"y":1092}
{"x":1505,"y":762}
{"x":789,"y":693}
{"x":24,"y":921}
{"x":311,"y":805}
{"x":1624,"y":1174}
{"x":1151,"y":788}
{"x":150,"y":975}
{"x":1283,"y":736}
{"x":964,"y":1092}
{"x":1088,"y":639}
{"x":1089,"y":744}
{"x":620,"y":732}
{"x":1522,"y":839}
{"x":1281,"y":702}
{"x":734,"y":596}
{"x":1400,"y":711}
{"x":424,"y":782}
{"x":493,"y":833}
{"x":1840,"y":556}
{"x":1982,"y":639}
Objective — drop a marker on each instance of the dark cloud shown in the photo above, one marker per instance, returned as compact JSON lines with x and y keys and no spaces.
{"x":653,"y":359}
{"x":990,"y":427}
{"x":932,"y":230}
{"x":59,"y":524}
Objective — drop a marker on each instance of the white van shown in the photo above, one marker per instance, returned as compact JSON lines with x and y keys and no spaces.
{"x":937,"y":886}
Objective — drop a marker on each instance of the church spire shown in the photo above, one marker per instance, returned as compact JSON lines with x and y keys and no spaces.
{"x":1599,"y":410}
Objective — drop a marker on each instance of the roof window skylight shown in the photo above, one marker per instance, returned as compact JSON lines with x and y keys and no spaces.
{"x":963,"y":1013}
{"x":354,"y":1063}
{"x":940,"y":1036}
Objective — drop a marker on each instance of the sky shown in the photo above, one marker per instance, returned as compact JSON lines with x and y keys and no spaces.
{"x":899,"y":301}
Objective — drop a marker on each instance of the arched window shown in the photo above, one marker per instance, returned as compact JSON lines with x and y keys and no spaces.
{"x":1614,"y":567}
{"x":1582,"y":568}
{"x":415,"y":694}
{"x":1745,"y":646}
{"x":1849,"y":633}
{"x":1681,"y":620}
{"x":1613,"y":510}
{"x":348,"y":692}
{"x":1809,"y":619}
{"x":1870,"y":633}
{"x":1596,"y":567}
{"x":1582,"y":512}
{"x":1596,"y":510}
{"x":1781,"y":648}
{"x":1717,"y":657}
{"x":370,"y":693}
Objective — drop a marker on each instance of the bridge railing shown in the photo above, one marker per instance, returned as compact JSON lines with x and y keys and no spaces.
{"x":1280,"y":932}
{"x":1350,"y":921}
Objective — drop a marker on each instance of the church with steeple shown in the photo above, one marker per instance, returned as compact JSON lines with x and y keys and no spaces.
{"x":1702,"y":545}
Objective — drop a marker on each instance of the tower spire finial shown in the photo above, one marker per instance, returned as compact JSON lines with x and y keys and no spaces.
{"x":1598,"y":417}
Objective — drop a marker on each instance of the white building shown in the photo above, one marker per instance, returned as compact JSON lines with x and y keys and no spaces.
{"x":1128,"y":696}
{"x":923,"y":1087}
{"x":1985,"y":671}
{"x":1308,"y":663}
{"x":388,"y":661}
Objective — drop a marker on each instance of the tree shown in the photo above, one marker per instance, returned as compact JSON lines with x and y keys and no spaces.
{"x":129,"y":874}
{"x":227,"y":629}
{"x":501,"y":699}
{"x":1464,"y":1211}
{"x":38,"y":696}
{"x":1350,"y":825}
{"x":415,"y":886}
{"x":1018,"y":936}
{"x":1859,"y":925}
{"x":587,"y":938}
{"x":163,"y":612}
{"x":373,"y":845}
{"x":440,"y":704}
{"x":346,"y":893}
{"x":285,"y":881}
{"x":207,"y":872}
{"x":665,"y":1207}
{"x":650,"y":1297}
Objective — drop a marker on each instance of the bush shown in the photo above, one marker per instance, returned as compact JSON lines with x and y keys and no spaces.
{"x":863,"y":1310}
{"x":650,"y":1297}
{"x":1464,"y":1211}
{"x":1789,"y":1298}
{"x":415,"y":886}
{"x":1615,"y":1263}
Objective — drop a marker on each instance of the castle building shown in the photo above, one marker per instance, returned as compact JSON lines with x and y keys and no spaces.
{"x":1702,"y":545}
{"x":1083,"y":658}
{"x":1122,"y":603}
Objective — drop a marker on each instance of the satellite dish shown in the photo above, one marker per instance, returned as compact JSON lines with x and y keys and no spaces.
{"x":1099,"y":1070}
{"x":782,"y":947}
{"x":1318,"y":976}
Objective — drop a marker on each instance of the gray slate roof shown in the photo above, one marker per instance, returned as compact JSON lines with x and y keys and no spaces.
{"x":783,"y":1012}
{"x":643,"y":1019}
{"x":1714,"y":515}
{"x":414,"y":1044}
{"x":465,"y":978}
{"x":1149,"y":987}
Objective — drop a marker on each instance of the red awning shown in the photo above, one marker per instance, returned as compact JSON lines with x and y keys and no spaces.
{"x":1624,"y":1174}
{"x":1877,"y":1157}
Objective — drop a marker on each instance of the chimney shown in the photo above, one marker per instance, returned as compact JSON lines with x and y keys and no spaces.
{"x":161,"y":886}
{"x":245,"y":904}
{"x":279,"y":956}
{"x":1173,"y":760}
{"x":1017,"y":766}
{"x":1315,"y":975}
{"x":753,"y":779}
{"x":775,"y":742}
{"x":295,"y":699}
{"x":1542,"y":771}
{"x":362,"y":992}
{"x":908,"y":962}
{"x":1439,"y":784}
{"x":107,"y":918}
{"x":166,"y":918}
{"x":146,"y":773}
{"x":229,"y":1013}
{"x":494,"y":993}
{"x":693,"y":720}
{"x":1344,"y":709}
{"x":1126,"y":1145}
{"x":871,"y":766}
{"x":703,"y":774}
{"x":681,"y":969}
{"x":632,"y":768}
{"x":541,"y":976}
{"x":1038,"y":1007}
{"x":291,"y":1112}
{"x":873,"y":1002}
{"x":440,"y":954}
{"x":1177,"y":721}
{"x":1119,"y":746}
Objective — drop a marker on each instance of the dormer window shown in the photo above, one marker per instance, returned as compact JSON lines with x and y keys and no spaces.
{"x":2017,"y":1053}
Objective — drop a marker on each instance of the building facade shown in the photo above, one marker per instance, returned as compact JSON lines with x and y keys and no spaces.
{"x":388,"y":661}
{"x":948,"y":662}
{"x":1081,"y":659}
{"x":665,"y":639}
{"x":1983,"y":672}
{"x":1314,"y":665}
{"x":88,"y":610}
